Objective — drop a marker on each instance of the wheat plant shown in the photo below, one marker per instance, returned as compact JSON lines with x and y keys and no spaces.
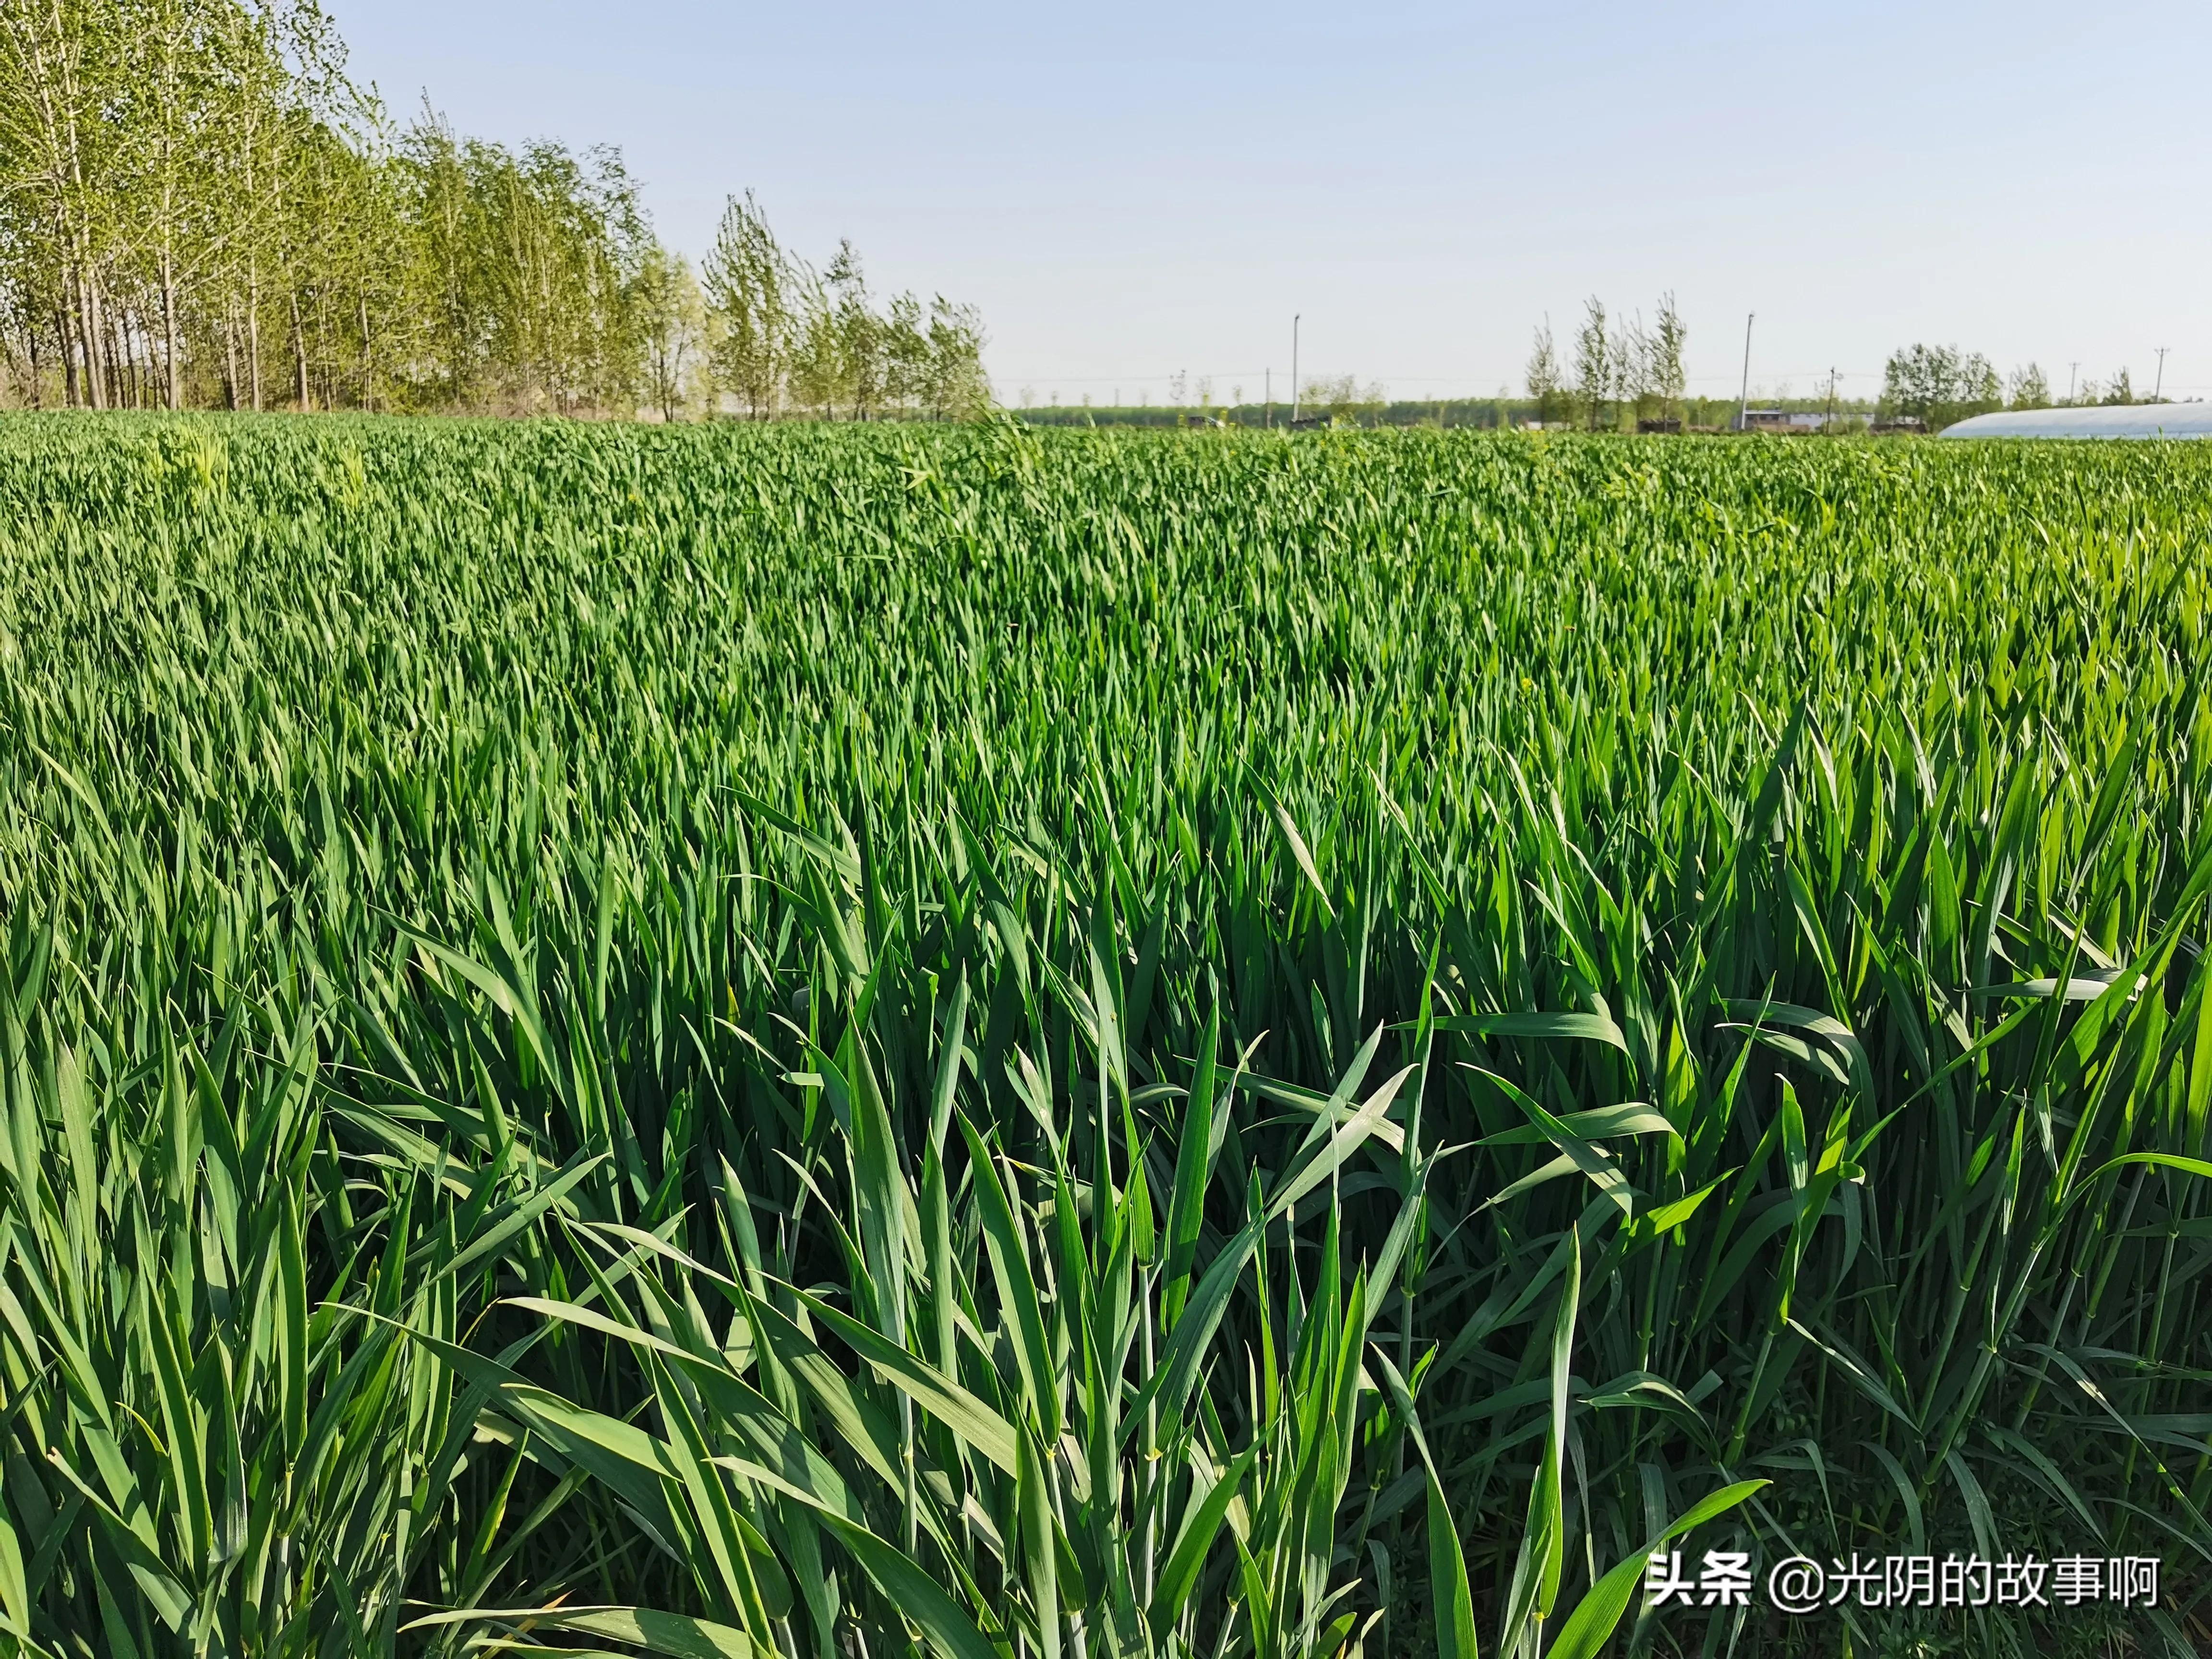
{"x":853,"y":1042}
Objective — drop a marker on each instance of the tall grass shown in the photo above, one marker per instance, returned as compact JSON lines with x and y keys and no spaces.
{"x":839,"y":1041}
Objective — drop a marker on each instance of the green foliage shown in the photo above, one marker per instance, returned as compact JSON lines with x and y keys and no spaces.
{"x":812,"y":1038}
{"x":1597,"y":363}
{"x":2030,"y":390}
{"x":1543,"y":374}
{"x":1341,"y":398}
{"x":788,"y":339}
{"x":533,"y":271}
{"x":1940,"y":386}
{"x":198,"y":210}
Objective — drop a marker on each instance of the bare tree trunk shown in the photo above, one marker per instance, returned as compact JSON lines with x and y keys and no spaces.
{"x":120,"y":393}
{"x":253,"y":330}
{"x":169,"y":326}
{"x":87,"y":395}
{"x":38,"y":372}
{"x":111,"y":360}
{"x":230,"y":361}
{"x":68,"y":357}
{"x":95,"y":381}
{"x":300,"y":352}
{"x":367,"y":361}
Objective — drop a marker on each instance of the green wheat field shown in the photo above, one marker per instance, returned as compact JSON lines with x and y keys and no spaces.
{"x":1045,"y":1045}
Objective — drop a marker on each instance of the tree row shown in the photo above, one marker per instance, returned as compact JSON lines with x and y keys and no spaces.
{"x":198,"y":208}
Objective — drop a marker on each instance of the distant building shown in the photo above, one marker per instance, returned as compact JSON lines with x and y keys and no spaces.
{"x":1776,"y":420}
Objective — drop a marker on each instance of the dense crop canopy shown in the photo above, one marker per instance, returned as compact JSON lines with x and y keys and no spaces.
{"x":830,"y":1041}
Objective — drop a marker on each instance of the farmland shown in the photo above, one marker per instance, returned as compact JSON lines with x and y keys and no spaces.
{"x":1038,"y":1043}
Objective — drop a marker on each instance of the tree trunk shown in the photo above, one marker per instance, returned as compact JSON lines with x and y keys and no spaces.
{"x":120,"y":394}
{"x":83,"y":308}
{"x":253,"y":331}
{"x":367,"y":361}
{"x":230,"y":362}
{"x":62,"y":336}
{"x":169,"y":326}
{"x":300,"y":352}
{"x":96,"y":379}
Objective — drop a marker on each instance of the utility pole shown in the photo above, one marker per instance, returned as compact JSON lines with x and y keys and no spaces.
{"x":2161,"y":385}
{"x":2072,"y":369}
{"x":1271,"y":397}
{"x":1743,"y":401}
{"x":1828,"y":424}
{"x":1294,"y":369}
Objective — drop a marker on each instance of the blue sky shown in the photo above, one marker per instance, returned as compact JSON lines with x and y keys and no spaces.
{"x":1132,"y":189}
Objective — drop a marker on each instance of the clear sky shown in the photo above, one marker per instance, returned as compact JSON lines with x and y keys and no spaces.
{"x":1132,"y":188}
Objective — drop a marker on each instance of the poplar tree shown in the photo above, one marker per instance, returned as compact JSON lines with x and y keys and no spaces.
{"x":1667,"y":340}
{"x":671,"y":319}
{"x":1543,"y":374}
{"x":746,"y":279}
{"x":198,"y":208}
{"x":1594,"y":363}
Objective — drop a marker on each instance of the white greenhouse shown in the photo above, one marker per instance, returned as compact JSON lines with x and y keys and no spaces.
{"x":2096,"y":421}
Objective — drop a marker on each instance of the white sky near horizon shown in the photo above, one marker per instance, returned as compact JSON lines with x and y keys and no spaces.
{"x":1130,"y":191}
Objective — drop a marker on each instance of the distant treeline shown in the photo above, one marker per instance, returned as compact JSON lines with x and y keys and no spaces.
{"x":1942,"y":385}
{"x":781,"y":339}
{"x":1715,"y":413}
{"x":199,"y":210}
